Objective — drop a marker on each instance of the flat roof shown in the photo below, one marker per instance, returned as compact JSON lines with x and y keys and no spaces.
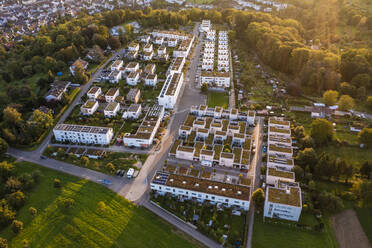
{"x":276,"y":148}
{"x":80,"y":128}
{"x":203,"y":185}
{"x":279,"y":122}
{"x":111,"y":106}
{"x":272,"y":171}
{"x":279,"y":130}
{"x":291,"y":196}
{"x":93,"y":90}
{"x":111,"y":92}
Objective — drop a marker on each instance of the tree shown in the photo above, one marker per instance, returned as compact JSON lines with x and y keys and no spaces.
{"x":100,"y":40}
{"x":3,"y":243}
{"x":85,"y":160}
{"x":299,"y":132}
{"x":12,"y":185}
{"x":361,"y":80}
{"x":6,"y":214}
{"x":330,"y":97}
{"x":110,"y":167}
{"x":299,"y":172}
{"x":365,"y":136}
{"x":204,"y":88}
{"x":326,"y":166}
{"x":6,"y":170}
{"x":363,"y":191}
{"x":307,"y":157}
{"x":17,"y":199}
{"x":68,"y":202}
{"x":101,"y":206}
{"x":3,"y":147}
{"x":33,"y":211}
{"x":329,"y":202}
{"x":43,"y":120}
{"x":366,"y":169}
{"x":36,"y":175}
{"x":369,"y":102}
{"x":17,"y":226}
{"x":79,"y":74}
{"x":12,"y":116}
{"x":341,"y":166}
{"x":345,"y":103}
{"x":348,"y":172}
{"x":258,"y":197}
{"x":307,"y":142}
{"x":57,"y":183}
{"x":347,"y":89}
{"x":321,"y":131}
{"x":114,"y":42}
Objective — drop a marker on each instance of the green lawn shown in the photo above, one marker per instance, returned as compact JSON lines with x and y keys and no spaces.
{"x":276,"y":236}
{"x":121,"y":224}
{"x":365,"y":219}
{"x":349,"y":153}
{"x":217,"y":99}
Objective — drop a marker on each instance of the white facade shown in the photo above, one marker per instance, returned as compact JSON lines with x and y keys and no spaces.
{"x":134,"y":111}
{"x":133,"y":78}
{"x":111,"y":95}
{"x":132,"y":67}
{"x":94,"y":92}
{"x":170,"y":91}
{"x":114,"y":77}
{"x":90,"y":107}
{"x":283,"y":202}
{"x":116,"y":65}
{"x":111,"y":109}
{"x":202,"y":189}
{"x":205,"y":26}
{"x":151,"y":79}
{"x":83,"y":134}
{"x":273,"y":174}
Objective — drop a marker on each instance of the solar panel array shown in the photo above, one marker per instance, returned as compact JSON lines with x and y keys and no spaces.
{"x":160,"y":178}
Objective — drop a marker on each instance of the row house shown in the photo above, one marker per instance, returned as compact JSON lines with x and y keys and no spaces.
{"x":83,"y":134}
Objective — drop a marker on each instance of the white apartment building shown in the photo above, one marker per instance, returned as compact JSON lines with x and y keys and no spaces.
{"x":279,"y":151}
{"x":132,"y":67}
{"x":215,"y":79}
{"x":280,"y":161}
{"x":114,"y":77}
{"x":151,"y":79}
{"x":170,"y":91}
{"x":132,"y":78}
{"x":205,"y":26}
{"x":183,"y":50}
{"x":273,"y":174}
{"x":111,"y":109}
{"x":83,"y":134}
{"x":171,"y":35}
{"x":94,"y":92}
{"x":177,"y":65}
{"x":116,"y":65}
{"x":148,"y":48}
{"x":146,"y":132}
{"x":159,"y":41}
{"x":162,"y":50}
{"x":133,"y":47}
{"x":283,"y":201}
{"x":133,"y":112}
{"x":89,"y":107}
{"x":202,"y":189}
{"x":211,"y":35}
{"x":111,"y":94}
{"x":148,"y":55}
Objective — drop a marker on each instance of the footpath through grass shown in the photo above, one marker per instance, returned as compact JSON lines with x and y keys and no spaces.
{"x":273,"y":236}
{"x":217,"y":99}
{"x":120,"y":224}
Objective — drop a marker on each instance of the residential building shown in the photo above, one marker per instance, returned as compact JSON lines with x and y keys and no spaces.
{"x":89,"y":107}
{"x":83,"y":134}
{"x":116,"y":65}
{"x":151,"y":79}
{"x":148,"y":48}
{"x":111,"y":109}
{"x":134,"y":95}
{"x":215,"y":192}
{"x":133,"y":47}
{"x":132,"y":67}
{"x":283,"y":201}
{"x":170,"y":91}
{"x":274,"y":174}
{"x":177,"y":65}
{"x":205,"y":26}
{"x":148,"y":55}
{"x":146,"y":132}
{"x":150,"y":69}
{"x":162,"y":50}
{"x":111,"y":94}
{"x":58,"y":88}
{"x":133,"y":112}
{"x":94,"y":92}
{"x":79,"y":62}
{"x":114,"y":77}
{"x":133,"y":78}
{"x":215,"y":79}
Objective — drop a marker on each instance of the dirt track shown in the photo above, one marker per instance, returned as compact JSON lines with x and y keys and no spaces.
{"x":349,"y":232}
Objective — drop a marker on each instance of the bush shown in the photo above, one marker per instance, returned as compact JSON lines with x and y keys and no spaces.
{"x":17,"y":199}
{"x":17,"y":226}
{"x":36,"y":175}
{"x":27,"y":181}
{"x":68,"y":203}
{"x":3,"y":243}
{"x":57,"y":183}
{"x":33,"y":211}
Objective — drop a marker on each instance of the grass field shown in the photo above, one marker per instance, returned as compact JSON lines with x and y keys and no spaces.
{"x":120,"y":224}
{"x":349,"y":153}
{"x":217,"y":99}
{"x":274,"y":236}
{"x":365,"y":219}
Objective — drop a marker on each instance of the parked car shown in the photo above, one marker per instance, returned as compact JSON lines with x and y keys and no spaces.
{"x":264,"y":149}
{"x":130,"y":173}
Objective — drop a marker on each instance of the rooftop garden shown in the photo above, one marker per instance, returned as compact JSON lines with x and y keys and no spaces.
{"x":194,"y":172}
{"x":217,"y":152}
{"x":237,"y":155}
{"x":198,"y":147}
{"x":170,"y":168}
{"x":209,"y":139}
